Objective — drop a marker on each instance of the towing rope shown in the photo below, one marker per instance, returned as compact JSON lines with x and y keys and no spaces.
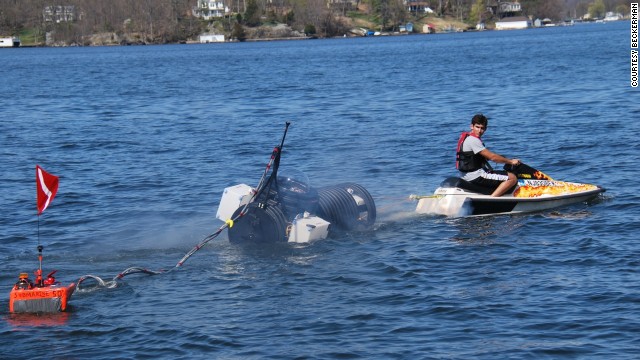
{"x":100,"y":283}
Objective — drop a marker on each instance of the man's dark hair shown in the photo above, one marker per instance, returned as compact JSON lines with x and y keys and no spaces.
{"x":480,"y":119}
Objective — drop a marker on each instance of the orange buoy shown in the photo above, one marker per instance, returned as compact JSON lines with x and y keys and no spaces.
{"x":48,"y":297}
{"x":42,"y":295}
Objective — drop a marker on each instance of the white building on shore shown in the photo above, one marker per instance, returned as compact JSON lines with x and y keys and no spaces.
{"x":513,"y":23}
{"x":9,"y":41}
{"x":611,"y":16}
{"x":209,"y":38}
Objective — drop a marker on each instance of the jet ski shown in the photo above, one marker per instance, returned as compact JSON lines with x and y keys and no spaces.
{"x":535,"y":191}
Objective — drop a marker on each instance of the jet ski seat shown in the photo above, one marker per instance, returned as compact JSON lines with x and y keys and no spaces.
{"x":463,"y":184}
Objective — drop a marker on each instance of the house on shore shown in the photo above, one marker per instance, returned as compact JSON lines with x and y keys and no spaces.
{"x":60,"y":14}
{"x":418,"y":6}
{"x":210,"y":9}
{"x":510,"y":15}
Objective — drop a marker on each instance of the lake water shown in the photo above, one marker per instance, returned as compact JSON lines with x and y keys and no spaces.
{"x":145,"y":139}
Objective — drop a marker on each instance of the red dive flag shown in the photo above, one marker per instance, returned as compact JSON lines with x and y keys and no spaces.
{"x":46,"y":188}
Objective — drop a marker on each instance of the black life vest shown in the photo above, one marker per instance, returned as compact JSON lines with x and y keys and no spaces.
{"x":467,"y":161}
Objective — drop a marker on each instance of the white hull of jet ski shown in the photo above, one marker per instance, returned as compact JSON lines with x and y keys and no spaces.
{"x":455,"y":201}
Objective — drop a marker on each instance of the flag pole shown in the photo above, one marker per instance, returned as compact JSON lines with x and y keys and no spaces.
{"x":39,"y":280}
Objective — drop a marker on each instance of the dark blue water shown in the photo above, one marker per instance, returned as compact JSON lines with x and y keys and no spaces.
{"x":145,"y":139}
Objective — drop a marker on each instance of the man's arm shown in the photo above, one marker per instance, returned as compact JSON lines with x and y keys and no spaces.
{"x":491,"y":156}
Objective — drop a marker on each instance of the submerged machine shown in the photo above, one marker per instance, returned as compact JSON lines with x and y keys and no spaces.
{"x":286,"y":208}
{"x":535,"y":191}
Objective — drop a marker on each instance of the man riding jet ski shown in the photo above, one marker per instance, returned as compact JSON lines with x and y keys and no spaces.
{"x":480,"y":190}
{"x":472,"y":160}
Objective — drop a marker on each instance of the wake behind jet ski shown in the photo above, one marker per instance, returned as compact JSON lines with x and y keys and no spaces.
{"x":535,"y":191}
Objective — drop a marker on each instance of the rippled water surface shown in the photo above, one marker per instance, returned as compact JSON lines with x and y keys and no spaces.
{"x":145,"y":139}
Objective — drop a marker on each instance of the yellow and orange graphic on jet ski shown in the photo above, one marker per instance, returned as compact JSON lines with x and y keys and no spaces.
{"x":536,"y":188}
